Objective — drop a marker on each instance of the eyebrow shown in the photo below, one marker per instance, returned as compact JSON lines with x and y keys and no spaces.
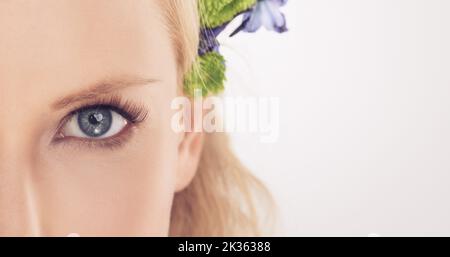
{"x":103,"y":87}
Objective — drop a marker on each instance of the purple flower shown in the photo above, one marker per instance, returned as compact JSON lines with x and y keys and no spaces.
{"x":265,"y":13}
{"x":208,"y":39}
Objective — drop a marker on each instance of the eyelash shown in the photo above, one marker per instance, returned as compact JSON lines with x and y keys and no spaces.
{"x":134,"y":113}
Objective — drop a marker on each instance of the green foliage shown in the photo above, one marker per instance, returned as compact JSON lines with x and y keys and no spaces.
{"x":207,"y":74}
{"x":217,"y":12}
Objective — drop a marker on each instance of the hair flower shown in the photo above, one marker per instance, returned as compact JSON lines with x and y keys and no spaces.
{"x":208,"y":71}
{"x":265,"y":13}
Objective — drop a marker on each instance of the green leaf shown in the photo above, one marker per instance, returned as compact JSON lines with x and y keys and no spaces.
{"x":214,"y":13}
{"x":207,"y":74}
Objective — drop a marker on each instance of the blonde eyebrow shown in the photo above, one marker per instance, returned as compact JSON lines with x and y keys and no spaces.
{"x":103,"y":87}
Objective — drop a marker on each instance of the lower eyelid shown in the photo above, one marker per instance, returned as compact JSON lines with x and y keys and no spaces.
{"x":112,"y":143}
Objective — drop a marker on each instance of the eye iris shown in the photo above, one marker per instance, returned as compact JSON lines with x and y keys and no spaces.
{"x":95,"y":122}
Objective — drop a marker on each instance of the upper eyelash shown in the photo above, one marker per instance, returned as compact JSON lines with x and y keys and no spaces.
{"x":134,"y":113}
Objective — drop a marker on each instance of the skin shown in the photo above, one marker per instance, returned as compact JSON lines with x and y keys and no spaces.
{"x":59,"y":48}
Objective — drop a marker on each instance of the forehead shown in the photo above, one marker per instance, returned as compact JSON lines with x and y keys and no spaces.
{"x":65,"y":42}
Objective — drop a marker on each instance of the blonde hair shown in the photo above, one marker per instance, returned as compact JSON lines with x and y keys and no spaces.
{"x":224,"y":198}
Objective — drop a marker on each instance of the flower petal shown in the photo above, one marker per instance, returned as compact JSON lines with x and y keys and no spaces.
{"x":252,"y":21}
{"x":279,"y":2}
{"x":265,"y":13}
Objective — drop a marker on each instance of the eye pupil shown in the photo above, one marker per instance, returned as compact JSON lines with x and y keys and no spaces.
{"x":95,"y":118}
{"x":95,"y":122}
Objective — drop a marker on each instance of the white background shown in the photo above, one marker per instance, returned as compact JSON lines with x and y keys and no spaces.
{"x":364,"y":88}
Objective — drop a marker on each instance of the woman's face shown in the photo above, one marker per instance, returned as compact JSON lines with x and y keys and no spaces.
{"x":86,"y":145}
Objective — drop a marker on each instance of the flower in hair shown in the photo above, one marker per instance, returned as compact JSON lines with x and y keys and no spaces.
{"x":265,"y":13}
{"x":208,"y":72}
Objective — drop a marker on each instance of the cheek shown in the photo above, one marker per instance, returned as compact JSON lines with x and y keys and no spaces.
{"x":113,"y":192}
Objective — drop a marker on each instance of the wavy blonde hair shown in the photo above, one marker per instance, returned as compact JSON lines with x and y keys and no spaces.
{"x":224,"y":198}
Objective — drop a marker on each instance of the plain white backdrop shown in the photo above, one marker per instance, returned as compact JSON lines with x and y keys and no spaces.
{"x":364,"y":89}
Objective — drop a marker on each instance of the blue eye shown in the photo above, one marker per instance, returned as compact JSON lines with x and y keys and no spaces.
{"x":95,"y":122}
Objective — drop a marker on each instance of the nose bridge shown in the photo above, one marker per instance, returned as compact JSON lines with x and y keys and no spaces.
{"x":18,"y":206}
